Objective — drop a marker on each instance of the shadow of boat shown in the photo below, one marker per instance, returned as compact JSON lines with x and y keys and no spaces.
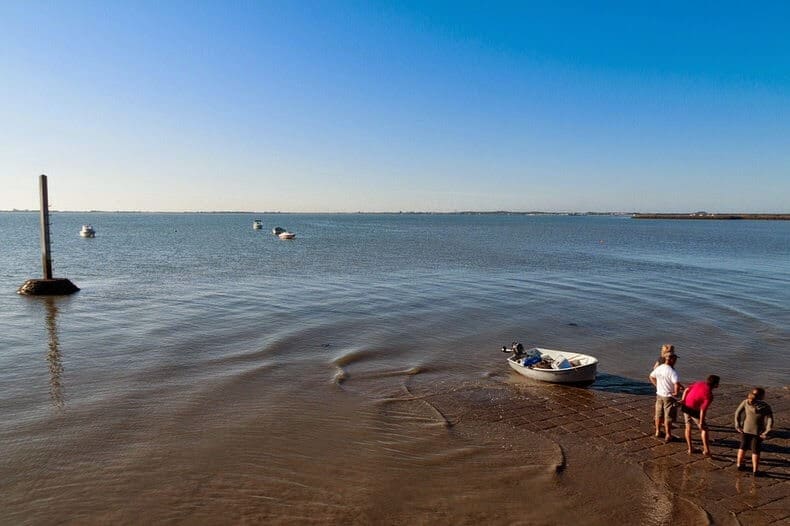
{"x":611,"y":383}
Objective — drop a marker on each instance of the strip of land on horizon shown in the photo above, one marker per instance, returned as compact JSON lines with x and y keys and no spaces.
{"x":705,"y":215}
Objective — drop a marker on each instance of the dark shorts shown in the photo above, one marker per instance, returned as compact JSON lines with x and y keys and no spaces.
{"x":690,"y":415}
{"x":752,"y":442}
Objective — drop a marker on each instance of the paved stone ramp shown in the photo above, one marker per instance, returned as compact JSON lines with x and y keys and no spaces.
{"x":612,"y":420}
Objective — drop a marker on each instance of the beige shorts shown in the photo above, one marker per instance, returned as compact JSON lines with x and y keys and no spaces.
{"x":666,"y":408}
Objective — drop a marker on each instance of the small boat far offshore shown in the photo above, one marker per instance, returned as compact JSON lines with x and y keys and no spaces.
{"x":549,"y":365}
{"x":286,"y":235}
{"x":257,"y":224}
{"x":87,"y":231}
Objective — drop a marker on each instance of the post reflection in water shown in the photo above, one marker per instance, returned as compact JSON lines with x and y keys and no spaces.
{"x":53,"y":354}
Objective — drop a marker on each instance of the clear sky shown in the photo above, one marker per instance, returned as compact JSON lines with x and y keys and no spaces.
{"x":385,"y":106}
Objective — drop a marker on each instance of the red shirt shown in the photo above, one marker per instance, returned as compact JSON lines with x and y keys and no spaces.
{"x":699,"y":396}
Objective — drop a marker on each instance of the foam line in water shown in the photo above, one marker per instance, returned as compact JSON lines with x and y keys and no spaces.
{"x":353,"y":356}
{"x":443,"y":419}
{"x":341,"y":374}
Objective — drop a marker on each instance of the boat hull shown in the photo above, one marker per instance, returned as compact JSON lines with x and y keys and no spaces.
{"x":583,"y":374}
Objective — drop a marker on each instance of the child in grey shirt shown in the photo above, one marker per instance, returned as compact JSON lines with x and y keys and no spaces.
{"x":753,"y":420}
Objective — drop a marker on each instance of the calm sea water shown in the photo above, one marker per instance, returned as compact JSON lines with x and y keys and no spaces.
{"x":191,"y":325}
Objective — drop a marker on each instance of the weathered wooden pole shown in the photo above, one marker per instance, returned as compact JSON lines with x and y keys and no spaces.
{"x":46,"y":259}
{"x":48,"y":286}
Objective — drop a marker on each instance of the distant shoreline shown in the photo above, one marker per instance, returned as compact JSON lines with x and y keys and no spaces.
{"x":700,"y":215}
{"x":634,"y":215}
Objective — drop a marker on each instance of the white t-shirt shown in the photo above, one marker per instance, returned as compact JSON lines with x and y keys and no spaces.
{"x":666,"y":378}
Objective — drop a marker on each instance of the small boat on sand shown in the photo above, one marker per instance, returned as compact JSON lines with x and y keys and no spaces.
{"x":286,"y":235}
{"x":549,"y":365}
{"x":87,"y":231}
{"x":257,"y":224}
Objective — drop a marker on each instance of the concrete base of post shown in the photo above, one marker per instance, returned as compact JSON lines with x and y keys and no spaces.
{"x":47,"y":287}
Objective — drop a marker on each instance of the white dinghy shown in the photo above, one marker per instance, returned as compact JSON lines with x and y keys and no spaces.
{"x":549,"y":365}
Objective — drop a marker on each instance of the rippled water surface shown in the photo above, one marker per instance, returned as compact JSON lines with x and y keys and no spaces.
{"x":205,"y":365}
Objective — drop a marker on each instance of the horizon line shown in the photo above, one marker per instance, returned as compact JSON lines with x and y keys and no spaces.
{"x":697,"y":213}
{"x":592,"y":212}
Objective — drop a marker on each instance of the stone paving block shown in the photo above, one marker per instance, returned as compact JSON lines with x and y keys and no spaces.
{"x":582,"y":418}
{"x":637,"y":444}
{"x":529,"y":426}
{"x":585,"y":433}
{"x":563,"y":419}
{"x":510,"y":413}
{"x":622,"y":425}
{"x":663,"y":450}
{"x":599,"y":406}
{"x":616,"y":416}
{"x":641,"y":455}
{"x":621,"y":437}
{"x":623,"y":422}
{"x":634,"y":433}
{"x":713,"y":488}
{"x":779,"y":508}
{"x":779,"y":516}
{"x":766,"y":495}
{"x":665,"y":464}
{"x":544,"y":422}
{"x":601,"y":421}
{"x":518,"y":421}
{"x":755,"y":518}
{"x":775,"y":468}
{"x":734,"y":505}
{"x":572,"y":427}
{"x":640,"y":409}
{"x":548,"y":425}
{"x":592,"y":422}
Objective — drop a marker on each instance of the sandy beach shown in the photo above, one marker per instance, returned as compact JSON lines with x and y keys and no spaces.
{"x":604,"y":434}
{"x":357,"y":378}
{"x":393,"y":447}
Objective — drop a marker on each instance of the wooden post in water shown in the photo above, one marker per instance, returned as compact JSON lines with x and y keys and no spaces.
{"x":48,"y":286}
{"x":46,"y":258}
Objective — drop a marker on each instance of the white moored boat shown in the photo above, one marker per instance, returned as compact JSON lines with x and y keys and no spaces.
{"x":257,"y":224}
{"x":286,"y":235}
{"x":549,"y":365}
{"x":87,"y":231}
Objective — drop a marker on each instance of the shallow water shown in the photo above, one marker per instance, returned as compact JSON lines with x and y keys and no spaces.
{"x":207,"y":367}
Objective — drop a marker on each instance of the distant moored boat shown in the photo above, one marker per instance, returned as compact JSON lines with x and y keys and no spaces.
{"x":257,"y":224}
{"x":87,"y":231}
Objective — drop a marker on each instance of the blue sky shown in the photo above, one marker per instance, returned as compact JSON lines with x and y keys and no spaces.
{"x":388,"y":106}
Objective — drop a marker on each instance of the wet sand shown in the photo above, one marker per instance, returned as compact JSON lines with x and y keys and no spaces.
{"x":603,"y":432}
{"x":400,"y":446}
